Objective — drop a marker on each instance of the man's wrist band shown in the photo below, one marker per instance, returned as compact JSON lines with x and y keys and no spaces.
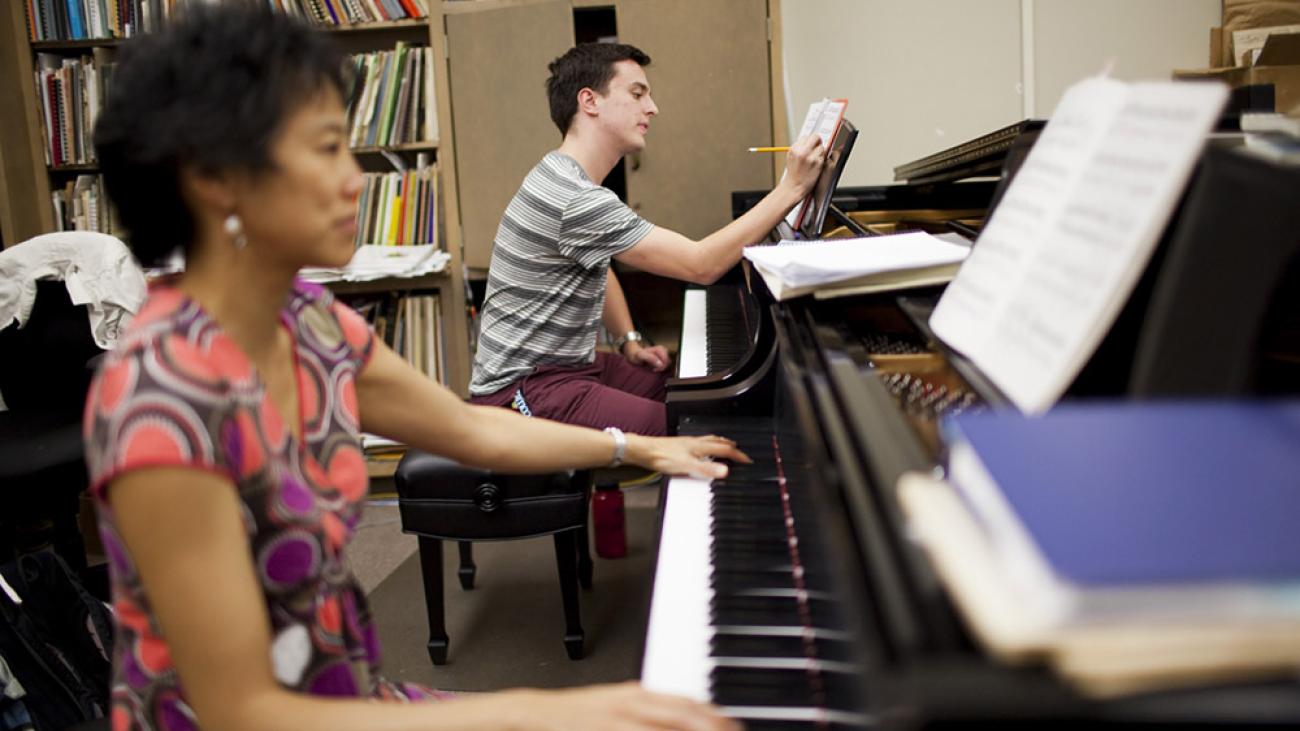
{"x":620,"y":445}
{"x":631,"y":336}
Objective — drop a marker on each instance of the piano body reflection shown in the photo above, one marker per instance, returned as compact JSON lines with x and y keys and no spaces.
{"x":790,"y":593}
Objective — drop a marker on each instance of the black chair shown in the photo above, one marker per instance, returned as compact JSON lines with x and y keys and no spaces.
{"x":440,"y":499}
{"x":45,"y":371}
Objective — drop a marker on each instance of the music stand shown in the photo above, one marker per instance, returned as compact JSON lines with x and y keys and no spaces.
{"x":824,"y":190}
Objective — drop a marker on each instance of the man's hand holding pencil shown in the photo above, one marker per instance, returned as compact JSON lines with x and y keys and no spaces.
{"x":803,"y":163}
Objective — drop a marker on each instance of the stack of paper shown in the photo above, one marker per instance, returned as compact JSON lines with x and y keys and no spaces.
{"x":1132,"y":546}
{"x":378,"y":262}
{"x":838,"y":267}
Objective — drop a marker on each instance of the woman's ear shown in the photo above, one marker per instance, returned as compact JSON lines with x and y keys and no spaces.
{"x":207,"y":191}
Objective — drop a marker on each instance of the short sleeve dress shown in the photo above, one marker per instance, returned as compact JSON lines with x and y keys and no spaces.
{"x":177,"y":392}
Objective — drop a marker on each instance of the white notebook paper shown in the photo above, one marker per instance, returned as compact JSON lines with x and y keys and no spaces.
{"x":854,"y":266}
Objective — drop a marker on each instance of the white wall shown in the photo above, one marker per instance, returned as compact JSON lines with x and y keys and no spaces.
{"x":923,"y":75}
{"x":1145,"y":39}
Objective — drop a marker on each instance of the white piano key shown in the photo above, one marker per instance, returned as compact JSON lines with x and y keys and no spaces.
{"x":679,"y":633}
{"x":692,"y":361}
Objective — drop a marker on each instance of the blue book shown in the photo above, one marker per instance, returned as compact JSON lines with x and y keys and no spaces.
{"x":1140,"y":494}
{"x":76,"y":24}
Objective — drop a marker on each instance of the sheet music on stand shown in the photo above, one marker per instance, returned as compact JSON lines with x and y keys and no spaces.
{"x":1076,"y":228}
{"x":823,"y":119}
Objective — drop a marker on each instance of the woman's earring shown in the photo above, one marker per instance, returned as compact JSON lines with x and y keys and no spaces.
{"x":235,"y":229}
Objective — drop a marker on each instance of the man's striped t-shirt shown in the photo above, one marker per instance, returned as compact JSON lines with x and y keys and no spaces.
{"x":546,"y":282}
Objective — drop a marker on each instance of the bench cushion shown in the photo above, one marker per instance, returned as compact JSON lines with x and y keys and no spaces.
{"x":441,"y":498}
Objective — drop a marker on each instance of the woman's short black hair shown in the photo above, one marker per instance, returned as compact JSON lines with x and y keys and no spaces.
{"x":585,"y":66}
{"x":210,"y":91}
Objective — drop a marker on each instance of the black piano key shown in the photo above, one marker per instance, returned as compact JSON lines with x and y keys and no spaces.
{"x":741,"y":609}
{"x":727,"y":340}
{"x":731,"y":686}
{"x":736,"y":645}
{"x":767,"y":724}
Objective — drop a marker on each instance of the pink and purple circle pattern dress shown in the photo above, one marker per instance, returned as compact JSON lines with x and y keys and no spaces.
{"x":177,"y":392}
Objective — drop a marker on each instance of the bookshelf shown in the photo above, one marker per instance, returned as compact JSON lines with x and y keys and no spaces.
{"x":27,"y":181}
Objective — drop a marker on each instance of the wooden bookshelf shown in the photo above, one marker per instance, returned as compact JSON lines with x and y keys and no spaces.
{"x":83,"y":44}
{"x":426,"y":146}
{"x":410,"y":23}
{"x":26,"y":180}
{"x":25,"y":209}
{"x":84,"y":167}
{"x":434,"y":281}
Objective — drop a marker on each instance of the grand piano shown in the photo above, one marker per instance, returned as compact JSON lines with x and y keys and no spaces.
{"x":790,"y":593}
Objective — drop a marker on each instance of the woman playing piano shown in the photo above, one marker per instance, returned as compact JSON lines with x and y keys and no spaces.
{"x":222,"y":434}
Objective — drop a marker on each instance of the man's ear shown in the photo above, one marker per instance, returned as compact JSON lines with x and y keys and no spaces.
{"x":588,"y":102}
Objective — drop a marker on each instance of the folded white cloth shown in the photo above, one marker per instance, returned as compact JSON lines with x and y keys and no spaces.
{"x":97,"y":269}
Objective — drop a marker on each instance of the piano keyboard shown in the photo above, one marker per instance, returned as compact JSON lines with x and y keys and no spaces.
{"x":742,"y":613}
{"x":714,"y":334}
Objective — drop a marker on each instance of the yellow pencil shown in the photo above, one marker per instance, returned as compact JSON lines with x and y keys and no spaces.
{"x":770,"y":149}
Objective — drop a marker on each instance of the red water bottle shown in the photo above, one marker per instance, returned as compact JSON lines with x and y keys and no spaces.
{"x":611,"y":524}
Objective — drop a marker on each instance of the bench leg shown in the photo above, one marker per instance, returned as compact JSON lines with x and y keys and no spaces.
{"x":565,"y":560}
{"x":585,"y":567}
{"x":466,"y":570}
{"x":431,"y":569}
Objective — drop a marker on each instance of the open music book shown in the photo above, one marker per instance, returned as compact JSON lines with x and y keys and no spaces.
{"x":1064,"y":248}
{"x":823,"y":119}
{"x":839,"y":267}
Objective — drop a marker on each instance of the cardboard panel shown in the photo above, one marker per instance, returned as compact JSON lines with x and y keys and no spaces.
{"x":709,"y":75}
{"x":498,"y":60}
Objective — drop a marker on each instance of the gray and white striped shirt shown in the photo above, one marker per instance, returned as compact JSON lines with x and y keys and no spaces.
{"x":546,"y":282}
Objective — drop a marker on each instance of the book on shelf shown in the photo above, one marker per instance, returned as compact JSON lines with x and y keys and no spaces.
{"x":410,"y":324}
{"x":394,"y":100}
{"x":71,"y":92}
{"x":839,"y":267}
{"x":79,"y":20}
{"x":1064,"y":248}
{"x":83,"y":205}
{"x":399,"y":208}
{"x":1132,"y":546}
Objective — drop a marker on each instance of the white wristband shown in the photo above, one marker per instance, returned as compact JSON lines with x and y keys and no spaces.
{"x":620,"y":445}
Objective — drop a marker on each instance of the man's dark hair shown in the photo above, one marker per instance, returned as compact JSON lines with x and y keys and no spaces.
{"x":589,"y":65}
{"x":210,"y":91}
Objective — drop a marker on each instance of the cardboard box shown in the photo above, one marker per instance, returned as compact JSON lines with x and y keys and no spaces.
{"x":1219,"y":53}
{"x":1278,"y":64}
{"x":1244,"y":14}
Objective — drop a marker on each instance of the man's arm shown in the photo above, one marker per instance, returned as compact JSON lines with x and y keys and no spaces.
{"x":618,"y":322}
{"x":400,"y":403}
{"x":670,"y":254}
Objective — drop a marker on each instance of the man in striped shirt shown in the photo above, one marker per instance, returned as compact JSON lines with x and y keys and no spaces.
{"x":550,"y":286}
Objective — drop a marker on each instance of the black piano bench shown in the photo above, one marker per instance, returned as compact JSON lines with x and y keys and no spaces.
{"x":440,"y":499}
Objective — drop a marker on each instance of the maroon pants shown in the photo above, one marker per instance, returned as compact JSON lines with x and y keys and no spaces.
{"x":609,"y":392}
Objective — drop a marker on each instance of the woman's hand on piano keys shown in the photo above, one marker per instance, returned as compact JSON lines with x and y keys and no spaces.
{"x":691,"y":456}
{"x":623,"y":706}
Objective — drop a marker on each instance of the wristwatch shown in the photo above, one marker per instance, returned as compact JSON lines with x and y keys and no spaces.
{"x":620,"y":445}
{"x":631,"y":336}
